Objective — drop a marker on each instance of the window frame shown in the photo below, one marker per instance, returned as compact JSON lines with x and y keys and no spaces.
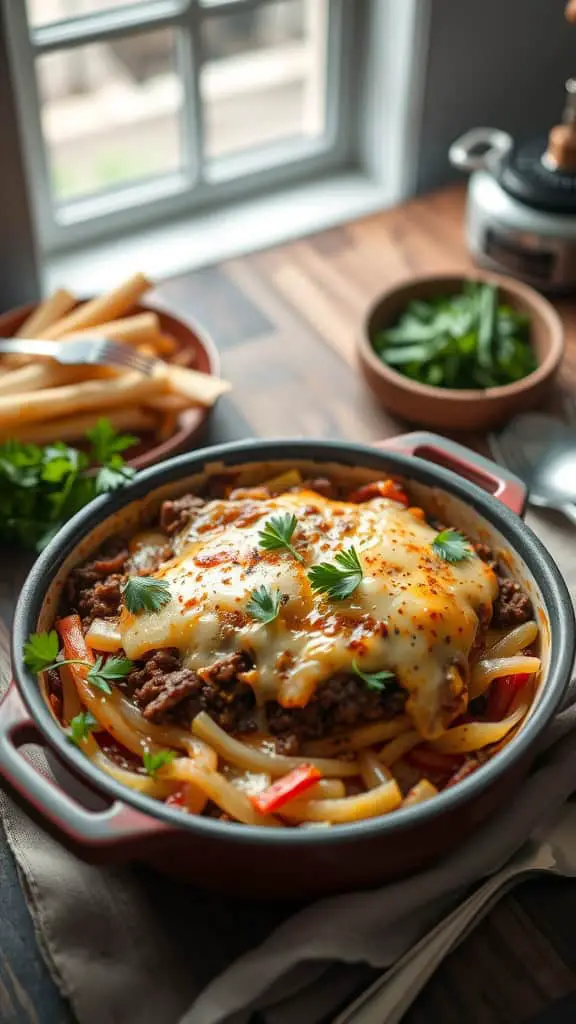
{"x":193,"y":189}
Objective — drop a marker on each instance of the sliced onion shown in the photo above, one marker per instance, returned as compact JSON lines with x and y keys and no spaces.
{"x":216,"y":788}
{"x":382,"y":800}
{"x":420,"y":793}
{"x":156,"y":788}
{"x":463,"y":739}
{"x":373,"y":772}
{"x":513,"y":641}
{"x":283,"y":482}
{"x":324,"y":789}
{"x":494,"y":668}
{"x":164,"y":735}
{"x":396,"y":749}
{"x":104,"y":635}
{"x":243,"y":756}
{"x":357,"y":739}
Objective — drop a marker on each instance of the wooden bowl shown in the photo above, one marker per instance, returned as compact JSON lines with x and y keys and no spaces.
{"x":448,"y":408}
{"x":189,"y":338}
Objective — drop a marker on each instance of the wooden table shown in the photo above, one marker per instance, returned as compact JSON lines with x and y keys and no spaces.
{"x":285,"y":322}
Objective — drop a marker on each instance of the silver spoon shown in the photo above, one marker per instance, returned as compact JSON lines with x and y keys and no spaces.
{"x":541,"y":450}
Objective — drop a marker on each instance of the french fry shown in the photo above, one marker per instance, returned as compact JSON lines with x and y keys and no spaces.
{"x":167,"y":425}
{"x":46,"y":314}
{"x":102,"y":309}
{"x":199,"y":388}
{"x":140,"y":329}
{"x":168,"y":403}
{"x":146,"y":350}
{"x":69,"y":428}
{"x":166,"y":345}
{"x":47,"y":374}
{"x":184,"y":357}
{"x":30,"y":407}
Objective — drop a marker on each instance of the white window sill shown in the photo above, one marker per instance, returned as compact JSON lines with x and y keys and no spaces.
{"x":188,"y":243}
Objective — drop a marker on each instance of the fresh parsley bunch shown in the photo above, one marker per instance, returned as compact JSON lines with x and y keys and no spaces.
{"x":41,"y":488}
{"x":468,"y":340}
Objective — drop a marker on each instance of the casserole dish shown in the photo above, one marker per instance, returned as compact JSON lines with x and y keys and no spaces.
{"x":483,"y":500}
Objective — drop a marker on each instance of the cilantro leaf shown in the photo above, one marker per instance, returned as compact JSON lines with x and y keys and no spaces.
{"x":146,"y":594}
{"x":41,"y":650}
{"x":154,"y":762}
{"x":81,"y":726}
{"x":277,"y":534}
{"x":264,"y":604}
{"x":452,"y":546}
{"x":338,"y":580}
{"x":374,"y":680}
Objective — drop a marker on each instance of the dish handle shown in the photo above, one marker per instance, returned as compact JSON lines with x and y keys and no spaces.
{"x":96,"y":835}
{"x":487,"y":475}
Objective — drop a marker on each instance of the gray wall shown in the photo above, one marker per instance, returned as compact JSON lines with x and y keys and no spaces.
{"x":497,"y":63}
{"x":19,"y":281}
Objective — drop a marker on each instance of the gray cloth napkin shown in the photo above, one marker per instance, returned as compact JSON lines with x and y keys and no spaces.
{"x":129,"y":947}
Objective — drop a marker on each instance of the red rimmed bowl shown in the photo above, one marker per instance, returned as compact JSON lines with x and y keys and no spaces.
{"x":451,"y":482}
{"x":190,"y":339}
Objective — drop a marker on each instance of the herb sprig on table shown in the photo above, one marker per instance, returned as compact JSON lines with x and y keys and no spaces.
{"x":468,"y":340}
{"x":42,"y":487}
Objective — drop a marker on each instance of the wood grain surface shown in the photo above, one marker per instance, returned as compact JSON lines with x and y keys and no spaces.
{"x":285,"y":322}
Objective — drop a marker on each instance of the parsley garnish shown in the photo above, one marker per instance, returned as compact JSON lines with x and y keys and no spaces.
{"x":81,"y":726}
{"x":374,"y":680}
{"x":264,"y":604}
{"x":102,"y":673}
{"x":41,"y":488}
{"x":452,"y":546}
{"x":154,"y":762}
{"x":40,"y":650}
{"x":337,"y":581}
{"x":106,"y":443}
{"x":277,"y":534}
{"x":146,"y":594}
{"x":41,"y":654}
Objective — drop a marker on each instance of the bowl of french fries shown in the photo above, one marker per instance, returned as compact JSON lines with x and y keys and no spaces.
{"x":43,"y":401}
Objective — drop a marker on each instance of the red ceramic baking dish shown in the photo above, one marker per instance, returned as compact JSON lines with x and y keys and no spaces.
{"x":456,"y":485}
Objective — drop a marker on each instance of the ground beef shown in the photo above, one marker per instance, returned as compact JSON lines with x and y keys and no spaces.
{"x":93,"y":590}
{"x":342,"y":703}
{"x":176,"y":515}
{"x":167,"y":692}
{"x":512,"y":606}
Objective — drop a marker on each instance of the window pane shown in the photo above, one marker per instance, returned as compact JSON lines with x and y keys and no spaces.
{"x":110,"y":112}
{"x":264,"y":74}
{"x":44,"y":12}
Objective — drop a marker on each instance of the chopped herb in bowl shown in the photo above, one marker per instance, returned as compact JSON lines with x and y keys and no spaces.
{"x":466,"y":340}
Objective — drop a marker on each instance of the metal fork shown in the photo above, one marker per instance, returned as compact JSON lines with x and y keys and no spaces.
{"x":95,"y":349}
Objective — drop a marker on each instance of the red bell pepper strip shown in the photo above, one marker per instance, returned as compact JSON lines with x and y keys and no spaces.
{"x":380,"y":489}
{"x":502,"y":693}
{"x":73,"y":639}
{"x":289,"y":786}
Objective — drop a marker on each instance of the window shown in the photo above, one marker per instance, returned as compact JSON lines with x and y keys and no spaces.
{"x":149,"y":108}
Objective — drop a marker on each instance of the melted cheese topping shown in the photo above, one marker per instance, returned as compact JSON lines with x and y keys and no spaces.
{"x":413,"y":613}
